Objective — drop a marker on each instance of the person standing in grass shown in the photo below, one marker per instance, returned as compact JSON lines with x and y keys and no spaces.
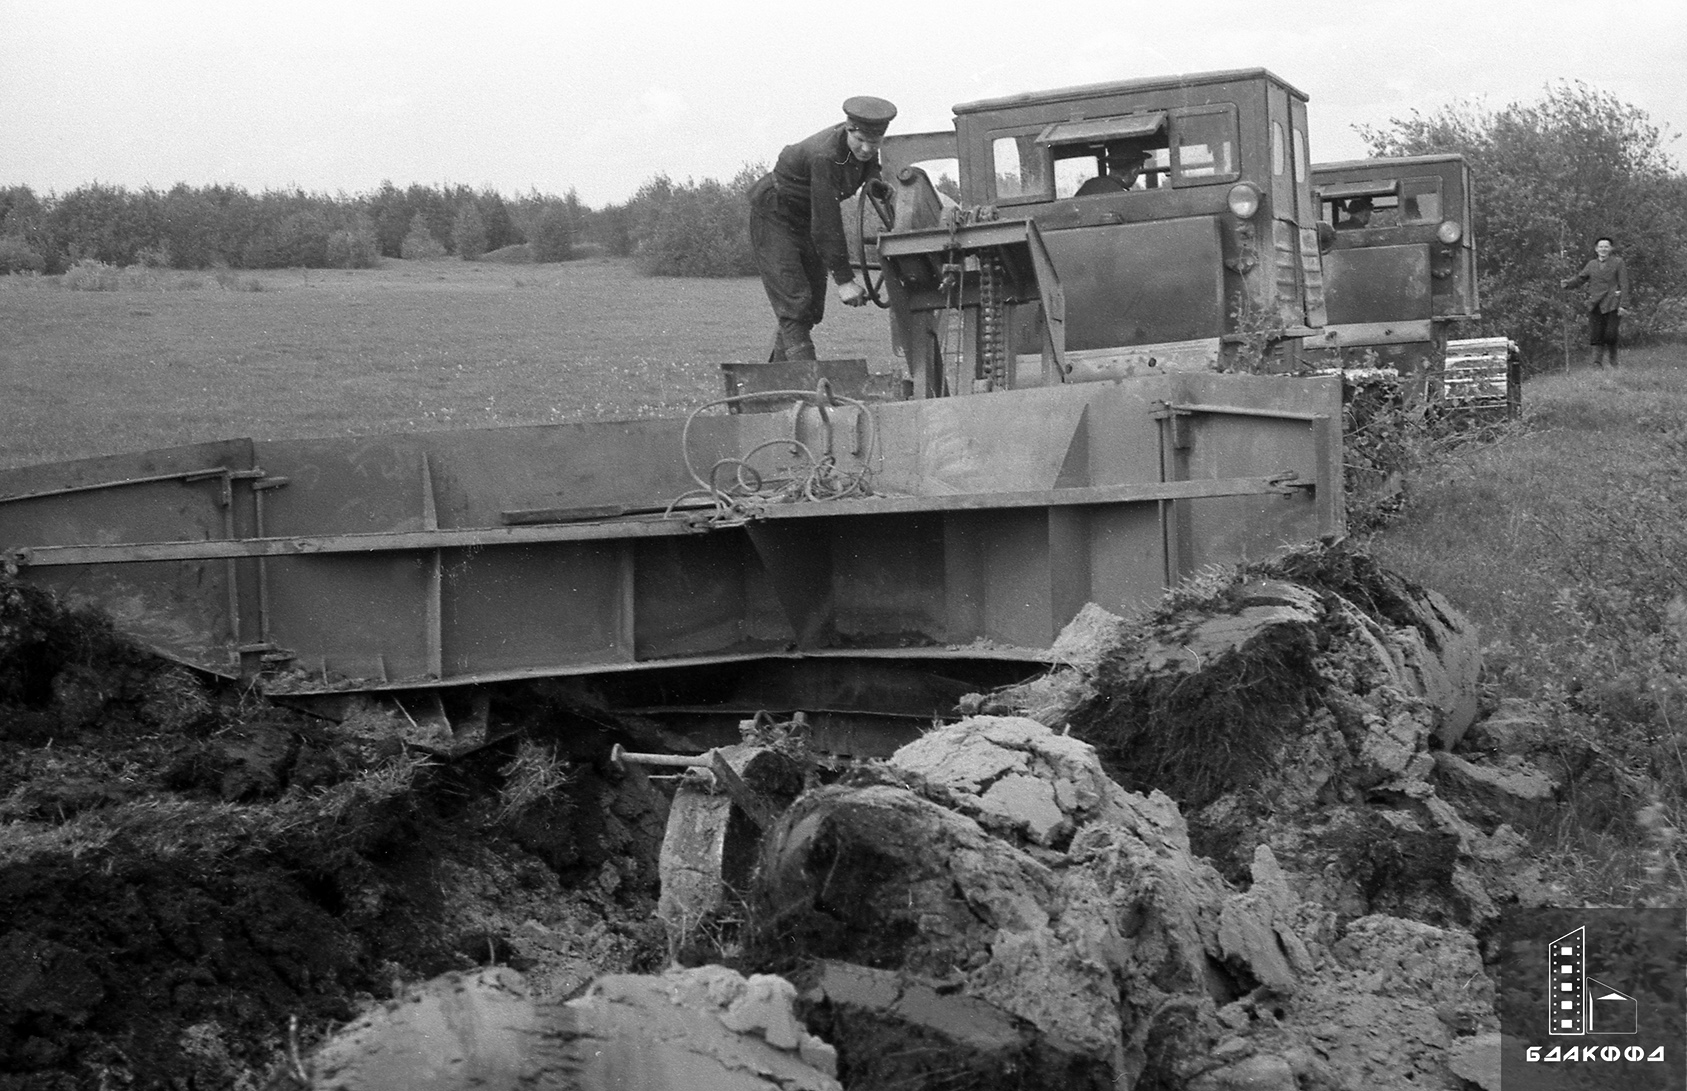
{"x":796,"y":221}
{"x":1606,"y":280}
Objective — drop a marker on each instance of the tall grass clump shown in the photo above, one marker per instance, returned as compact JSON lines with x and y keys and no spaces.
{"x":1566,"y":542}
{"x":231,"y":281}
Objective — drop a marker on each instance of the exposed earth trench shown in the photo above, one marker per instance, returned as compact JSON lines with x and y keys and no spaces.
{"x":1256,"y":837}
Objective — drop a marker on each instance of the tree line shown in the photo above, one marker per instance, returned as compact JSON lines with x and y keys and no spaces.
{"x":675,"y":229}
{"x":669,"y":228}
{"x":189,"y":227}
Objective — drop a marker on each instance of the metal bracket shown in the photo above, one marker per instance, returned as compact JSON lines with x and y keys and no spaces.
{"x":757,"y":809}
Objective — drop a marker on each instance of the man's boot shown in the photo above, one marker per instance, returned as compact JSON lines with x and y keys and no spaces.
{"x":799,"y":350}
{"x":1611,"y":350}
{"x":1597,"y":357}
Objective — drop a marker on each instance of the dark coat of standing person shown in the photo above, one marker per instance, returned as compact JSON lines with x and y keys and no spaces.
{"x":1606,"y":280}
{"x":796,"y":221}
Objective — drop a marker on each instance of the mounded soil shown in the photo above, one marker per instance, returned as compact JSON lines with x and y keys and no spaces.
{"x":194,"y":882}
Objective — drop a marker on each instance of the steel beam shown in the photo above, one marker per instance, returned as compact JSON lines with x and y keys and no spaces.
{"x":395,"y":562}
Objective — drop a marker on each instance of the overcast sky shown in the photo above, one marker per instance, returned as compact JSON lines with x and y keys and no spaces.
{"x":600,"y":96}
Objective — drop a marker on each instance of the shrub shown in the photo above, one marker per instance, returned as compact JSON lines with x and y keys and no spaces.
{"x":420,"y":244}
{"x":695,"y":229}
{"x":302,"y":240}
{"x":89,"y":275}
{"x":500,"y":228}
{"x":355,"y":247}
{"x":154,"y":257}
{"x":553,"y":237}
{"x":17,"y":256}
{"x":105,"y":223}
{"x":468,"y":232}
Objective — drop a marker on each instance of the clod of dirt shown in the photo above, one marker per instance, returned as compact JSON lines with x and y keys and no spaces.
{"x":1013,"y":775}
{"x":1477,"y":1060}
{"x":254,"y":761}
{"x":704,"y":1029}
{"x":923,"y":1034}
{"x":942,"y":916}
{"x":1489,"y":795}
{"x":1195,"y":702}
{"x":957,"y":889}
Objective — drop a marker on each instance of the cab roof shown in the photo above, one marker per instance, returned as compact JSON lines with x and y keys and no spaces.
{"x":1389,"y":162}
{"x":1117,"y":87}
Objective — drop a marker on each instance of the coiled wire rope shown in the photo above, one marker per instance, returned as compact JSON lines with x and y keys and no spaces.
{"x":746,"y":491}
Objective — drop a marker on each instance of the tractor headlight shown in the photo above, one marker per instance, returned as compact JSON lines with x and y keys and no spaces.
{"x":1450,"y":231}
{"x":1244,"y":200}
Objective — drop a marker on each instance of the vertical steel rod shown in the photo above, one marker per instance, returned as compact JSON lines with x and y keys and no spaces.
{"x":436,"y":583}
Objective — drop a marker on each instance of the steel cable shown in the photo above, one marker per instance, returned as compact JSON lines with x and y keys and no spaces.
{"x":810,"y":478}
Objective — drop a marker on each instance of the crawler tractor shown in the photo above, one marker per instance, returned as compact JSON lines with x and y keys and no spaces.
{"x":1400,"y":278}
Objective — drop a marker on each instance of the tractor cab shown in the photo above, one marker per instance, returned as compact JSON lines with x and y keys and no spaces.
{"x":1175,"y":213}
{"x":1399,"y":261}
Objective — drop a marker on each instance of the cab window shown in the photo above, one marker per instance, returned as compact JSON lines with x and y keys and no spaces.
{"x":1087,"y":170}
{"x":1019,"y":167}
{"x":1420,"y":200}
{"x":1152,"y":149}
{"x":943,"y":175}
{"x":1204,"y":144}
{"x":1356,"y":213}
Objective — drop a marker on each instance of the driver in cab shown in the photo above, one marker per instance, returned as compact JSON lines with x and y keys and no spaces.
{"x":796,"y":222}
{"x":1355,"y":215}
{"x":1125,"y":164}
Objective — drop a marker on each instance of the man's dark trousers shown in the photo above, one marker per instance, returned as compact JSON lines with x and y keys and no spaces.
{"x":791,"y":271}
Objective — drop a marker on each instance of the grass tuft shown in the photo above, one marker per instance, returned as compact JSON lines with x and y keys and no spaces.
{"x":530,"y":779}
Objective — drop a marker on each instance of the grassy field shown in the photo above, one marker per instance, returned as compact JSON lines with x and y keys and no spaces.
{"x":175,"y":358}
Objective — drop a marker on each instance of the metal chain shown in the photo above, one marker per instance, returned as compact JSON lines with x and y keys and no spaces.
{"x":992,"y":349}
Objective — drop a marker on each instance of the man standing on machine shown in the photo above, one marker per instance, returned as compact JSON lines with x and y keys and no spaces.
{"x":796,"y":222}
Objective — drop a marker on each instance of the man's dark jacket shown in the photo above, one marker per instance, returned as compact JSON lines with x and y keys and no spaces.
{"x":812,"y":177}
{"x":1606,"y":281}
